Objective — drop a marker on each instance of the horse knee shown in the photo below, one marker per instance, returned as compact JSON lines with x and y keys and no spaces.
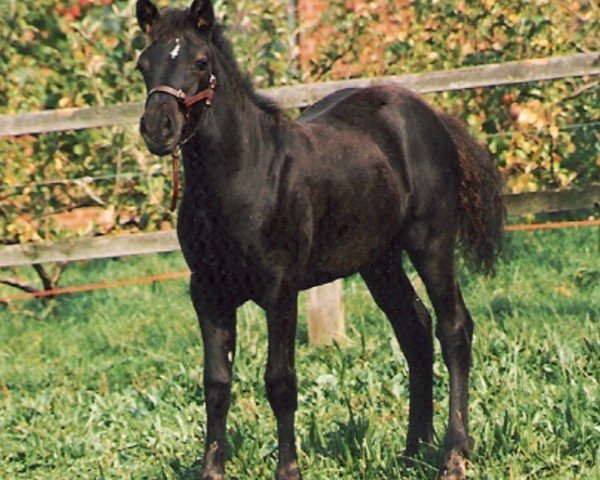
{"x":282,"y":391}
{"x":217,"y":391}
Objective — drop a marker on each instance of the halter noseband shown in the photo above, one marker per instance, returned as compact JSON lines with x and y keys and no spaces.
{"x":207,"y":95}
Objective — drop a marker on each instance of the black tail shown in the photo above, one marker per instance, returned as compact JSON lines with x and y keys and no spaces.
{"x":481,"y":207}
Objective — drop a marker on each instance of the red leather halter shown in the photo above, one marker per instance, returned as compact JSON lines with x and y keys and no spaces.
{"x":207,"y":95}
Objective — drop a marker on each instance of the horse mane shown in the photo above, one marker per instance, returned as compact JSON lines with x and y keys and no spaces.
{"x":173,"y":20}
{"x":224,"y":46}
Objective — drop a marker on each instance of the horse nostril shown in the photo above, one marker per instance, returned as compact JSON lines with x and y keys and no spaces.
{"x":167,"y":127}
{"x":158,"y":127}
{"x":148,"y":127}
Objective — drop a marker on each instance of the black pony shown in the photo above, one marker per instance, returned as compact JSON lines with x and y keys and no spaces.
{"x":271,"y":207}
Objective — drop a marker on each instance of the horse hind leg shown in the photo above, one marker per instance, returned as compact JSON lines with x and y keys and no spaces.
{"x":433,"y":257}
{"x":392,"y":291}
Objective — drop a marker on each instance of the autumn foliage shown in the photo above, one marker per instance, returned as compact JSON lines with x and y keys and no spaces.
{"x":75,"y":53}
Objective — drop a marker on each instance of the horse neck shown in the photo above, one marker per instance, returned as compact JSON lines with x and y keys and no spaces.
{"x":234,"y":135}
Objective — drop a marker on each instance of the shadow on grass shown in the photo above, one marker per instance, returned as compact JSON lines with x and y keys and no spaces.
{"x":504,"y":307}
{"x":350,"y":445}
{"x":348,"y":442}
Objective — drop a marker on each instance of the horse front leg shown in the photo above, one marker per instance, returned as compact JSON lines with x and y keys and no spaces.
{"x":280,"y":381}
{"x":217,"y":326}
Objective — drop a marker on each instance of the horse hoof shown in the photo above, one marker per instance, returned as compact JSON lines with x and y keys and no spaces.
{"x":213,"y":464}
{"x":455,"y":467}
{"x":290,"y":472}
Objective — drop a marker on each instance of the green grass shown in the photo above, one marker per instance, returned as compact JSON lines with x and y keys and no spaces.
{"x":107,"y":384}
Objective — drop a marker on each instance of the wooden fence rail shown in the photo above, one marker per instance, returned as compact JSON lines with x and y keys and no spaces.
{"x":552,"y":68}
{"x":159,"y":242}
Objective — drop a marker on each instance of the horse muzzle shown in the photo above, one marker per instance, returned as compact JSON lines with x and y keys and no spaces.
{"x":163,"y":121}
{"x":162,"y":125}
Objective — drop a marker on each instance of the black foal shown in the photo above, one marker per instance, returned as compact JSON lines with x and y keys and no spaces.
{"x":271,"y":207}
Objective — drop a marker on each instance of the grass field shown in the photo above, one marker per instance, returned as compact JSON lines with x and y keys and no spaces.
{"x":107,"y":384}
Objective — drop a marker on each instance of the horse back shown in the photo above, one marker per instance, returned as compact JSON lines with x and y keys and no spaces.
{"x":400,"y":122}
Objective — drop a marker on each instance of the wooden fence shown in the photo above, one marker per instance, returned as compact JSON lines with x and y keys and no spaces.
{"x":298,"y":96}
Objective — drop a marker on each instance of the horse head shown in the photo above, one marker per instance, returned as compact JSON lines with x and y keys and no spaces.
{"x":177,"y":66}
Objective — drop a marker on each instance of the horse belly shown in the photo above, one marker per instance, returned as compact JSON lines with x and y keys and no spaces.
{"x":353,"y":235}
{"x":348,"y":256}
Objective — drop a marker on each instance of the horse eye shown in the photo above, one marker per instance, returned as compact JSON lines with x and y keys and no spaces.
{"x":201,"y":64}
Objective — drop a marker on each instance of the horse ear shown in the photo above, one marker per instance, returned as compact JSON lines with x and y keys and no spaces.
{"x":204,"y":15}
{"x":146,"y":13}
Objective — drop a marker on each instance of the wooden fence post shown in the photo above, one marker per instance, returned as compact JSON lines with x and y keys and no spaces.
{"x":325,"y":314}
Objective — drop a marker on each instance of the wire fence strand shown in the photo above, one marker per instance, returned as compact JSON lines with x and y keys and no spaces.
{"x":97,"y":286}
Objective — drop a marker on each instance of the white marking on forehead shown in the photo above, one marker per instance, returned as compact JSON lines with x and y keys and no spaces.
{"x":175,"y":52}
